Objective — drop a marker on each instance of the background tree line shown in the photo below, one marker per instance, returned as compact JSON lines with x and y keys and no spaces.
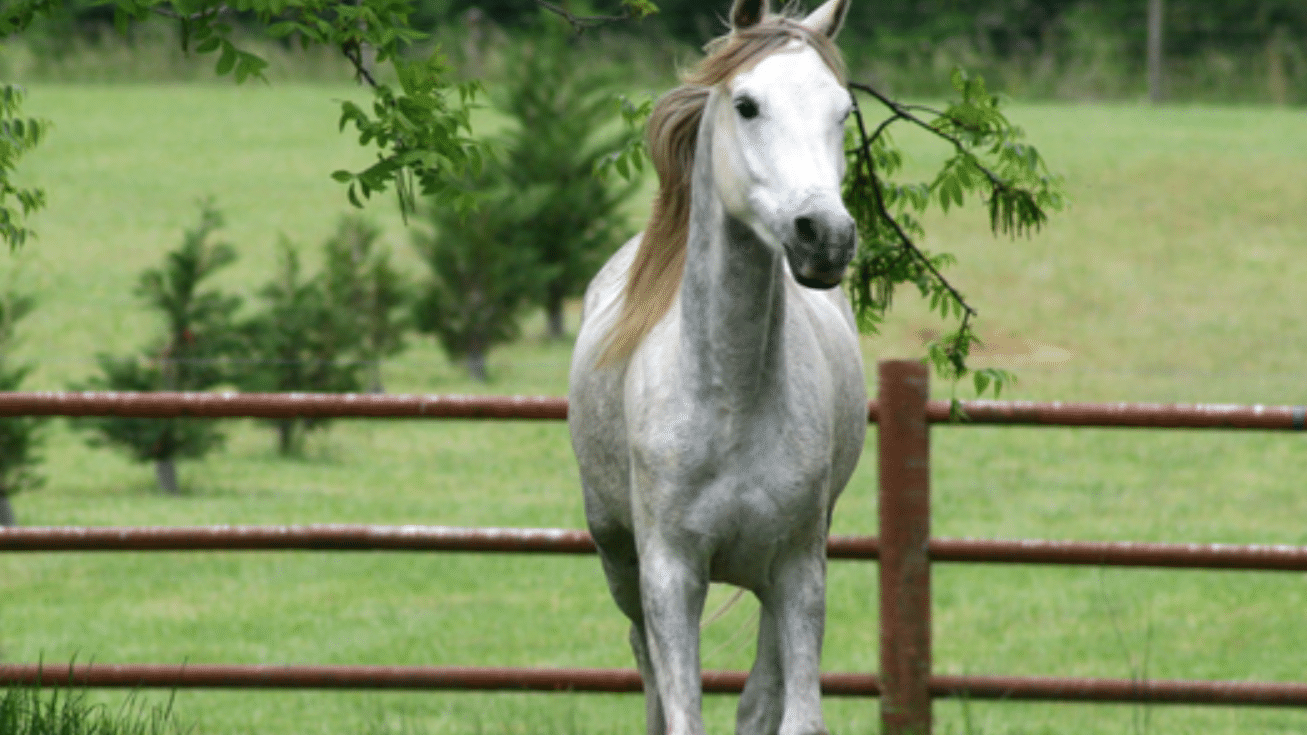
{"x":1233,"y":50}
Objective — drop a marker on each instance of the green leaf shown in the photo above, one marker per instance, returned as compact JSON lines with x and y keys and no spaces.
{"x":227,"y":60}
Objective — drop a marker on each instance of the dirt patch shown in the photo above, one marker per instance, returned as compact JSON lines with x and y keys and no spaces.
{"x":1008,"y":349}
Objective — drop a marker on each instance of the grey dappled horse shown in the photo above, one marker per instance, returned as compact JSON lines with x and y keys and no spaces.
{"x":718,"y":404}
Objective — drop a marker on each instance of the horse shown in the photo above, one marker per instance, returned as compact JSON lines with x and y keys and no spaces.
{"x":717,"y":396}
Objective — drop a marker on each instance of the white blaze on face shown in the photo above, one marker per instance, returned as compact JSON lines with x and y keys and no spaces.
{"x":778,"y":143}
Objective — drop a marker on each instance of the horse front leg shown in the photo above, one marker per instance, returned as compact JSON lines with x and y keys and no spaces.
{"x":761,"y":703}
{"x":798,"y":599}
{"x":622,"y":568}
{"x":654,"y":722}
{"x":672,"y":590}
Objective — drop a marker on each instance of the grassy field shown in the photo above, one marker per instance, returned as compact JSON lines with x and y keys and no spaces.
{"x":1173,"y":277}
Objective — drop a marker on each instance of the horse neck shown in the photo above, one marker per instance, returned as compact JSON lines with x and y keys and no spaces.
{"x":732,"y":298}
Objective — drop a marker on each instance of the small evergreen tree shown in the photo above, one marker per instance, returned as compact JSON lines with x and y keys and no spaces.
{"x":360,"y":277}
{"x":566,"y":123}
{"x":303,"y":340}
{"x":19,"y":435}
{"x":482,"y":273}
{"x":194,"y":354}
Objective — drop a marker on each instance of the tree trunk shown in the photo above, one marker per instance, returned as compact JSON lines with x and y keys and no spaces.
{"x":554,"y":311}
{"x":374,"y":377}
{"x":165,"y":471}
{"x":473,"y":38}
{"x":286,"y":437}
{"x":1156,"y":82}
{"x":476,"y":364}
{"x":1277,"y":80}
{"x":7,"y":512}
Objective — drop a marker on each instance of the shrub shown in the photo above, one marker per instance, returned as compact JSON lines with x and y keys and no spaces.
{"x":360,"y":277}
{"x":566,"y":121}
{"x":303,"y":340}
{"x":200,"y":338}
{"x":482,"y":273}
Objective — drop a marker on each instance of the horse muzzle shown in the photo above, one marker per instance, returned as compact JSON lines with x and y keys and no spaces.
{"x":821,"y":246}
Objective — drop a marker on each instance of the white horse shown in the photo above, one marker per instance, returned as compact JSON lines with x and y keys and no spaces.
{"x":718,"y":405}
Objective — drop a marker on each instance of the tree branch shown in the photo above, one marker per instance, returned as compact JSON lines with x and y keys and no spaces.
{"x":353,"y":51}
{"x":864,"y":154}
{"x":582,"y":23}
{"x":904,"y":112}
{"x":168,"y":12}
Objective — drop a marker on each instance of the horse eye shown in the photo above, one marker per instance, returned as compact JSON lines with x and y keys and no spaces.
{"x":747,"y":108}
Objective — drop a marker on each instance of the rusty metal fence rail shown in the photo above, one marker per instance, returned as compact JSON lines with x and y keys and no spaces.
{"x":904,"y":550}
{"x":349,"y":537}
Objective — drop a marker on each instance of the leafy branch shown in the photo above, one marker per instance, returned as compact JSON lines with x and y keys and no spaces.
{"x":18,"y":135}
{"x":630,"y":157}
{"x":423,"y":135}
{"x":419,"y":124}
{"x":989,"y":160}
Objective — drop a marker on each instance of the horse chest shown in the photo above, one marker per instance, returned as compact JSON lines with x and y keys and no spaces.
{"x":737,"y":487}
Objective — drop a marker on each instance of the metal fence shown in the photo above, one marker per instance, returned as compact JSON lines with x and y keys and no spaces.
{"x":904,"y":550}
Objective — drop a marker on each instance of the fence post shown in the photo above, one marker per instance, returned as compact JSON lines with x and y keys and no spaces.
{"x":904,"y":450}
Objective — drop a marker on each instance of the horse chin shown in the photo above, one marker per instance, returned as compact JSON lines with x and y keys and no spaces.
{"x":820,"y":283}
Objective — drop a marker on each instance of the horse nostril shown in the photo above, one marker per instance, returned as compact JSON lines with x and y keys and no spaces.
{"x":805,"y":228}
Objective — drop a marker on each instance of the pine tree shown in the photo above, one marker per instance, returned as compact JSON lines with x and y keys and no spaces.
{"x":567,"y":121}
{"x":195,"y":353}
{"x":303,"y":340}
{"x":359,"y":276}
{"x":482,"y":273}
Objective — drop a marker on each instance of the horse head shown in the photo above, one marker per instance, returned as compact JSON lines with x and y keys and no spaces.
{"x":778,"y":146}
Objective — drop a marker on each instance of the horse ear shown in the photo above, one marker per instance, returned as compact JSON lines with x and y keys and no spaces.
{"x":827,"y":19}
{"x":747,"y":13}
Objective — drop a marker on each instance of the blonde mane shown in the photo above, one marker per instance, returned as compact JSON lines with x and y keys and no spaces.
{"x":671,"y":137}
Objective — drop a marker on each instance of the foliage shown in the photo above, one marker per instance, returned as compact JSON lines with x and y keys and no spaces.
{"x":482,"y":273}
{"x":60,"y":711}
{"x":565,"y":129}
{"x":200,"y":331}
{"x":360,"y":278}
{"x":305,"y":339}
{"x":19,"y":435}
{"x":200,"y":338}
{"x":18,"y":135}
{"x":990,"y":160}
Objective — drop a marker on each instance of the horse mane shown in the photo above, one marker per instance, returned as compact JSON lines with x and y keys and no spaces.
{"x":671,"y":137}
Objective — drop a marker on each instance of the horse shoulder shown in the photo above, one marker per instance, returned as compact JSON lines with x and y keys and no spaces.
{"x":596,"y":412}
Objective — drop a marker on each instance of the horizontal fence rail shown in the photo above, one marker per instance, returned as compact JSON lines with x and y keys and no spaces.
{"x":627,"y":681}
{"x":1124,"y":415}
{"x":345,"y":537}
{"x":371,"y":405}
{"x":166,"y":405}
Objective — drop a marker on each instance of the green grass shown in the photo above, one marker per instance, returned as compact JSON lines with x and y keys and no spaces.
{"x":1173,"y":277}
{"x":25,"y":711}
